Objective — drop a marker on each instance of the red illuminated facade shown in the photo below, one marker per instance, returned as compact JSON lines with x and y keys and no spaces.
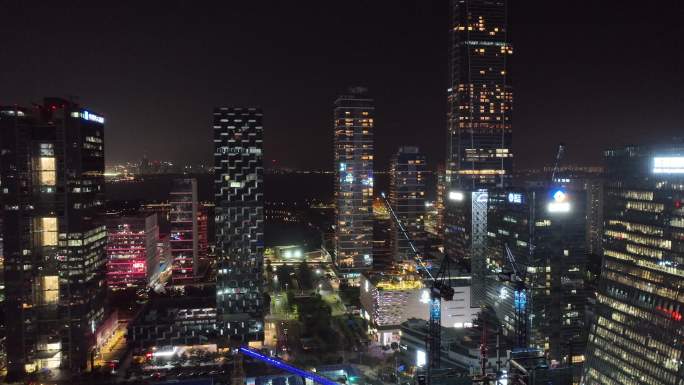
{"x":202,"y":230}
{"x":131,"y":251}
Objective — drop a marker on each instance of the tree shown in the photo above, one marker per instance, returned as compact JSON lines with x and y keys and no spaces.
{"x":291,"y":299}
{"x":284,"y":276}
{"x":305,"y":276}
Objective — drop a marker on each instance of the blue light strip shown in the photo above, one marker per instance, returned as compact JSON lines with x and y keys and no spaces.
{"x":281,"y":365}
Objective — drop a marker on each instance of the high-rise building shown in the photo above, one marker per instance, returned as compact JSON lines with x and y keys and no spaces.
{"x":479,"y":128}
{"x":239,"y":176}
{"x":546,"y":232}
{"x":440,"y":201}
{"x":353,"y":152}
{"x":480,"y":95}
{"x":132,"y":258}
{"x":183,"y":236}
{"x":52,"y":172}
{"x":594,"y":190}
{"x":407,"y":198}
{"x":2,"y":264}
{"x":637,"y":337}
{"x":202,"y":230}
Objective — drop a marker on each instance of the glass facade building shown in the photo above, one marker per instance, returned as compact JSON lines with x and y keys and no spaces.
{"x":480,"y":95}
{"x":353,"y":152}
{"x":52,"y":172}
{"x":638,"y":334}
{"x":407,"y":198}
{"x":238,"y":191}
{"x":183,"y":237}
{"x":545,"y":230}
{"x":479,"y":128}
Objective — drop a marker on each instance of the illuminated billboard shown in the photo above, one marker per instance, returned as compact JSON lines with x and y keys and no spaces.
{"x":456,"y":196}
{"x":559,"y":202}
{"x":668,"y":165}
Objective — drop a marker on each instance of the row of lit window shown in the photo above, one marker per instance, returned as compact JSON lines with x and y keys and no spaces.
{"x":640,"y":239}
{"x":649,"y":207}
{"x":644,"y":229}
{"x":608,"y":351}
{"x":656,"y":351}
{"x":669,"y":269}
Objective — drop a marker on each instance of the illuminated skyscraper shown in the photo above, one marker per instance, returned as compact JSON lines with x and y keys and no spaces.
{"x":238,"y":192}
{"x":132,"y":258}
{"x":546,"y":231}
{"x":183,"y":237}
{"x":480,"y":95}
{"x":52,"y":172}
{"x":353,"y":151}
{"x":479,"y":128}
{"x":638,"y":334}
{"x":407,"y":197}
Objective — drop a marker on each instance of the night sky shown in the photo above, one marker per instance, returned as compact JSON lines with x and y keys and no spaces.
{"x":592,"y":74}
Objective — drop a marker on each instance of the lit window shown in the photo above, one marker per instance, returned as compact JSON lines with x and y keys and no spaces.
{"x":46,"y":171}
{"x":48,"y":228}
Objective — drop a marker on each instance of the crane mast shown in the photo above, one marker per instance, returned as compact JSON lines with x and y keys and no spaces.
{"x":440,"y":289}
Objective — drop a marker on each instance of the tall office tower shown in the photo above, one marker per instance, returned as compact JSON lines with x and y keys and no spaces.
{"x":239,"y":178}
{"x":440,"y":200}
{"x":52,"y":170}
{"x":479,"y":127}
{"x":594,"y":190}
{"x":407,"y":198}
{"x":353,"y":152}
{"x":546,"y":232}
{"x":183,"y":235}
{"x":132,"y":258}
{"x":638,"y":334}
{"x":480,"y":95}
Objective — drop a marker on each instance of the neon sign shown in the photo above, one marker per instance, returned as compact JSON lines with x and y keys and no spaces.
{"x":85,"y":115}
{"x":515,"y":198}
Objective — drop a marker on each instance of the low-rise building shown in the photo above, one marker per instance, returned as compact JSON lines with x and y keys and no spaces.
{"x":390,"y":298}
{"x":174,"y":321}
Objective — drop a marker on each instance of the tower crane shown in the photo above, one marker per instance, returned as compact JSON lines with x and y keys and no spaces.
{"x":440,"y":289}
{"x":559,"y":156}
{"x":516,"y":276}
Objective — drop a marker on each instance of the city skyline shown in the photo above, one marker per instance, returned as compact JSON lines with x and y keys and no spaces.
{"x":610,"y":81}
{"x":344,"y":197}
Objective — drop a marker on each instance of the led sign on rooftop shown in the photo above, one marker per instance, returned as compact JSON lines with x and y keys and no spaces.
{"x":559,"y":202}
{"x":85,"y":115}
{"x":668,"y":165}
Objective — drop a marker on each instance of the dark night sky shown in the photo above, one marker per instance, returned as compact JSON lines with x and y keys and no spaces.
{"x":592,"y":74}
